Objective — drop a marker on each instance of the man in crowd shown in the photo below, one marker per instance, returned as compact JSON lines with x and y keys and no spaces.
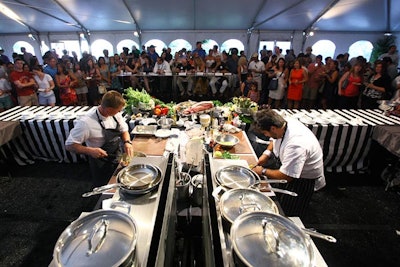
{"x":51,"y":69}
{"x":3,"y":57}
{"x":199,"y":50}
{"x":298,"y":159}
{"x":103,"y":130}
{"x":24,"y":84}
{"x":315,"y":79}
{"x":257,"y":68}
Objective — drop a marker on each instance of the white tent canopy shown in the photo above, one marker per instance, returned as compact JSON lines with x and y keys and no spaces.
{"x":49,"y":16}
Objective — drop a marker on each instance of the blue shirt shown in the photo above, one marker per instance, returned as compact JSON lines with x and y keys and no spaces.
{"x":52,"y":72}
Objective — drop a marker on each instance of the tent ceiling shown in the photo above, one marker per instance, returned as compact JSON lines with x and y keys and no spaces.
{"x":45,"y":16}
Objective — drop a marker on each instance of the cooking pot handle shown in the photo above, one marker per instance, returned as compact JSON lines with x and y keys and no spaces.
{"x":218,"y":191}
{"x":101,"y":189}
{"x":319,"y":235}
{"x":122,"y":205}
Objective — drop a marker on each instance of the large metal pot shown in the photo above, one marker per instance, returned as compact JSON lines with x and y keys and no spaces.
{"x":238,"y":201}
{"x":137,"y":179}
{"x":267,"y":239}
{"x":101,"y":238}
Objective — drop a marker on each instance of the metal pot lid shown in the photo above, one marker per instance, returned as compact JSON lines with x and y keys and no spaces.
{"x":101,"y":238}
{"x":267,"y":239}
{"x":236,"y":177}
{"x":239,"y":201}
{"x":139,"y":177}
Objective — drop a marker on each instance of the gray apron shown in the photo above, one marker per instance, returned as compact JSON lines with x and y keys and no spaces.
{"x":103,"y":168}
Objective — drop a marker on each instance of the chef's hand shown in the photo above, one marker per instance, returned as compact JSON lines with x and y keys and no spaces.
{"x":128,"y":149}
{"x":258,"y":169}
{"x":97,"y":152}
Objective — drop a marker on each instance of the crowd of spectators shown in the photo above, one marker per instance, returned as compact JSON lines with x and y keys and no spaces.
{"x":304,"y":80}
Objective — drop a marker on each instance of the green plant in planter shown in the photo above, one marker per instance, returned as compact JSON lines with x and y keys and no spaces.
{"x":381,"y":46}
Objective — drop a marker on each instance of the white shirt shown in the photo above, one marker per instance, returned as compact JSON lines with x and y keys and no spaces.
{"x":44,"y":84}
{"x":256,"y":66}
{"x":300,"y":152}
{"x":4,"y":86}
{"x":163,"y":66}
{"x":88,"y":129}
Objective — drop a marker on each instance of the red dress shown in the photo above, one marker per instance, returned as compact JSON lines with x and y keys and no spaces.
{"x":295,"y":91}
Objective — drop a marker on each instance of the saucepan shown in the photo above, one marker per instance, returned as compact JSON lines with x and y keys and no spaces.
{"x":267,"y":239}
{"x":136,"y":179}
{"x":242,"y":200}
{"x":100,"y":238}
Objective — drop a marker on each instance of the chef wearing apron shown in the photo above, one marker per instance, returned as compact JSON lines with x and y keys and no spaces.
{"x":103,"y":135}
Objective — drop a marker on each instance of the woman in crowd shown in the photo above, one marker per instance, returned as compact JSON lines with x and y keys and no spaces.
{"x":65,"y":82}
{"x":105,"y":80}
{"x":147,"y":67}
{"x":297,"y":78}
{"x":46,"y":85}
{"x":329,"y":90}
{"x":92,"y":79}
{"x":376,"y":87}
{"x":81,"y":89}
{"x":209,"y":60}
{"x":113,"y":68}
{"x":242,"y":69}
{"x":5,"y":92}
{"x":349,"y":87}
{"x":281,"y":73}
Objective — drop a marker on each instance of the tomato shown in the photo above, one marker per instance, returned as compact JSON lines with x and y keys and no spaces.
{"x":158,"y":106}
{"x":164,"y":111}
{"x":157,"y":111}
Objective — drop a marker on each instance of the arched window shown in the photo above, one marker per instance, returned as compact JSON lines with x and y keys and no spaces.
{"x":208,"y":44}
{"x":325,"y":48}
{"x":231,"y":43}
{"x":99,"y":45}
{"x":160,"y":45}
{"x":178,"y":44}
{"x":361,"y":48}
{"x":126,"y":43}
{"x":17,"y":47}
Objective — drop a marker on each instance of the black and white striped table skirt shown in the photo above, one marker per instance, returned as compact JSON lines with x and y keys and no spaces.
{"x":41,"y":138}
{"x":346,"y":144}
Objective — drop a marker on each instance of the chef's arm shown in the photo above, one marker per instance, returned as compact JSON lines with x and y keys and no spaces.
{"x":262,"y":160}
{"x":126,"y":139}
{"x":94,"y":152}
{"x":271,"y":174}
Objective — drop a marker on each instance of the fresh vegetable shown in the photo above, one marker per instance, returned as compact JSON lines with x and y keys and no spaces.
{"x":133,"y":97}
{"x":228,"y":155}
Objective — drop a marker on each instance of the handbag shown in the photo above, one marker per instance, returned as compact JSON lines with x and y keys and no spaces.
{"x":102,"y":89}
{"x":273,"y":84}
{"x":345,"y":82}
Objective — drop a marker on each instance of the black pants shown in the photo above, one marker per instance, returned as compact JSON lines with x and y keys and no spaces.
{"x":296,"y":206}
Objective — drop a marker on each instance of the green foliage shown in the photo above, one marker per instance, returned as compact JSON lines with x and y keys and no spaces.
{"x":381,"y":46}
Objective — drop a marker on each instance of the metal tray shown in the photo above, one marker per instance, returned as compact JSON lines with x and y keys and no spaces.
{"x":144,"y":129}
